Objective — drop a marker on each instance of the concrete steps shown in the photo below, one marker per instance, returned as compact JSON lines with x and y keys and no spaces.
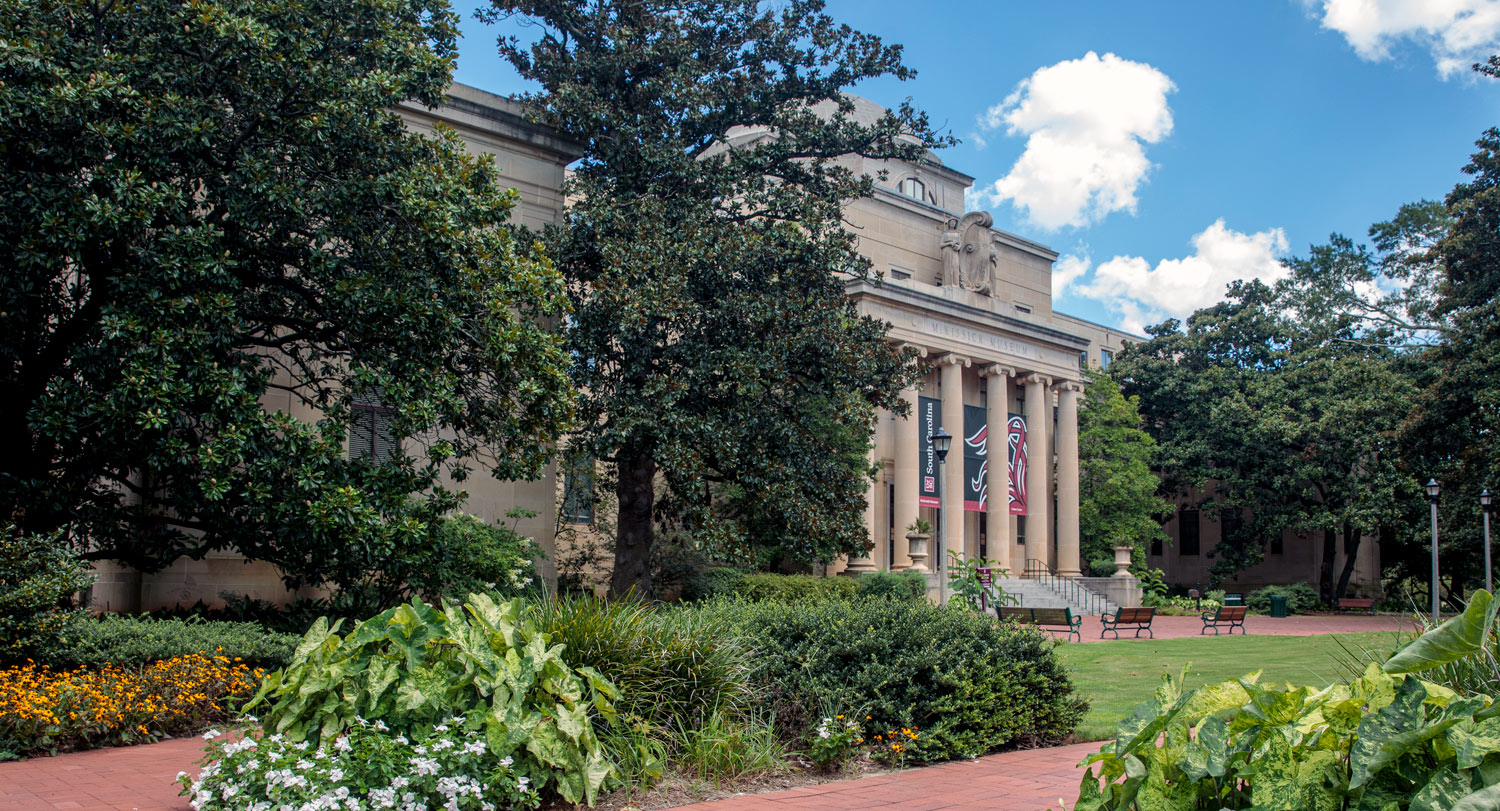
{"x":1036,"y":594}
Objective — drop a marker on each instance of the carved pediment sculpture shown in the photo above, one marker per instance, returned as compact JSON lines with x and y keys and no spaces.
{"x":969,"y":254}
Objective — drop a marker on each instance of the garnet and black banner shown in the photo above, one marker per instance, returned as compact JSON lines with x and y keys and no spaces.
{"x":1015,"y":440}
{"x":929,"y":418}
{"x":975,"y":438}
{"x":976,"y":466}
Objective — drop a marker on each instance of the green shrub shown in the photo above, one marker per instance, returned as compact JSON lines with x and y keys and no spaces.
{"x":966,"y":684}
{"x":39,"y":575}
{"x":715,"y":581}
{"x":413,"y":666}
{"x":896,"y":585}
{"x":1385,"y":740}
{"x":671,"y":667}
{"x":128,"y":641}
{"x":1300,"y":598}
{"x":802,"y":588}
{"x":473,"y":556}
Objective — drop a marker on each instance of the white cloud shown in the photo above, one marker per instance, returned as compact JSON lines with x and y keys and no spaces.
{"x":1086,"y":123}
{"x":1458,"y":33}
{"x":1067,"y":270}
{"x":1142,"y":294}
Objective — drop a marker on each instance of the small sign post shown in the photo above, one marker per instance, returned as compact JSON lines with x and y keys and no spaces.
{"x":985,"y":579}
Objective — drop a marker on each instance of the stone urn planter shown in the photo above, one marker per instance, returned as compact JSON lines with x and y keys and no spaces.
{"x":917,"y":550}
{"x":1122,"y":561}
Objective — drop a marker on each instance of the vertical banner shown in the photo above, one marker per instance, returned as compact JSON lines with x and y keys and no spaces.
{"x":976,"y":464}
{"x":1015,"y":440}
{"x":929,"y":418}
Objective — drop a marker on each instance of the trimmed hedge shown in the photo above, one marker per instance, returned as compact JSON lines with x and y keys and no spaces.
{"x":723,"y":581}
{"x":1300,"y":598}
{"x":967,"y":684}
{"x":126,"y":641}
{"x":896,"y":585}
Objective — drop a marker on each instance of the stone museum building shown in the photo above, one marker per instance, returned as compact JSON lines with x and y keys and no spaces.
{"x":1003,"y":375}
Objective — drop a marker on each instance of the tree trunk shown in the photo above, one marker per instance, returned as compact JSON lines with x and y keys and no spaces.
{"x":1325,"y":573}
{"x":1351,"y":554}
{"x":634,"y":531}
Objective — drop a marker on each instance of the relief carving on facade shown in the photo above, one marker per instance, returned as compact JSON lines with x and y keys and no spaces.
{"x":969,"y":253}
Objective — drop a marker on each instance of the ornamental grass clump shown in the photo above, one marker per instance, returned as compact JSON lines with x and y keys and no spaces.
{"x":47,"y":711}
{"x":413,"y":666}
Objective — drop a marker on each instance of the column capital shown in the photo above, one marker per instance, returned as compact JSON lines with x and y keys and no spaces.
{"x":953,"y":359}
{"x":921,"y":350}
{"x":1069,"y":385}
{"x":1035,"y":379}
{"x":997,"y":370}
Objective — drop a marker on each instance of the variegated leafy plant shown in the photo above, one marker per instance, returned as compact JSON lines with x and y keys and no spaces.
{"x":1386,"y":741}
{"x":413,"y":666}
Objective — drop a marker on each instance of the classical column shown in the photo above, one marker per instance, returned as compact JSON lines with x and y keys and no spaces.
{"x":1038,"y":468}
{"x":1067,"y":478}
{"x":952,"y":385}
{"x":997,"y":480}
{"x":860,"y":564}
{"x":908,"y":462}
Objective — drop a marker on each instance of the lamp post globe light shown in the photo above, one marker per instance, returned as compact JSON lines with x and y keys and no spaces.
{"x":1434,"y":489}
{"x":1485,"y":500}
{"x":941,"y":442}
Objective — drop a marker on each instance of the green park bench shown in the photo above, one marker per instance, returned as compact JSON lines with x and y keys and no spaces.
{"x":1138,"y":618}
{"x":1231,"y":616}
{"x":1042,"y":617}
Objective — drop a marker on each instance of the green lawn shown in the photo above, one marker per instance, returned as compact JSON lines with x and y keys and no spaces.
{"x":1116,"y":676}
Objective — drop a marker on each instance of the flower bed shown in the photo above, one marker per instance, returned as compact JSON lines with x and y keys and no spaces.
{"x":46,"y":711}
{"x":448,"y":765}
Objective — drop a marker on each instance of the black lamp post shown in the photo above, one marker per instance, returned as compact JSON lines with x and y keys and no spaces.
{"x":1434,"y":489}
{"x":1484,"y":502}
{"x":941,"y":442}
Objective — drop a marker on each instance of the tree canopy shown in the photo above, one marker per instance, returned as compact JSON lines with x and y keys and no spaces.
{"x":1118,"y":503}
{"x":706,"y":257}
{"x":220,"y":243}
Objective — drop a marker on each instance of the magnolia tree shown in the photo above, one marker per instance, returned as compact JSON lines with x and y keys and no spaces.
{"x":222,"y":251}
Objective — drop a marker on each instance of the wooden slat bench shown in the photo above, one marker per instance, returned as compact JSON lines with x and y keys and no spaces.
{"x":1138,"y":618}
{"x":1232,"y":616}
{"x":1043,"y":617}
{"x":1363,"y":603}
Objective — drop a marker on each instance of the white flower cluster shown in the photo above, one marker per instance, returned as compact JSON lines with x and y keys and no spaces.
{"x":446,"y":768}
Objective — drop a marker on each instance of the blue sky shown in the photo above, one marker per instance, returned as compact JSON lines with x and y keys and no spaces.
{"x":1164,"y":148}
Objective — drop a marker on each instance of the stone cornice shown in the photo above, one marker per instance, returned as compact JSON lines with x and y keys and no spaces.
{"x":930,"y":303}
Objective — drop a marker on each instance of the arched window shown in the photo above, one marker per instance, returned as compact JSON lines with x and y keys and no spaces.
{"x":912,"y":187}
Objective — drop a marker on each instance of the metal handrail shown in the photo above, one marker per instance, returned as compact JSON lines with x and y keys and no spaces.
{"x":1069,"y":588}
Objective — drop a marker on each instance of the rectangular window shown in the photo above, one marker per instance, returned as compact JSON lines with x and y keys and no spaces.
{"x":1105,"y":358}
{"x":1083,"y":359}
{"x":1278,"y":546}
{"x":898,"y":273}
{"x":1023,"y":309}
{"x":578,"y":492}
{"x":1156,"y":547}
{"x":370,"y":434}
{"x":1021,"y":530}
{"x":1233,"y":520}
{"x":1187,"y":532}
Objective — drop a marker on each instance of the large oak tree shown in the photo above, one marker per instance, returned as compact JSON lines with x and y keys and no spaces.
{"x":706,"y":256}
{"x":219,"y":243}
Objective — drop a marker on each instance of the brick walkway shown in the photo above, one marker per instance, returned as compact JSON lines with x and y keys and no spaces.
{"x":1031,"y":780}
{"x":141,"y":778}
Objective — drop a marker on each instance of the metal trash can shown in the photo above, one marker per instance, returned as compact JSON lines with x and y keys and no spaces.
{"x":1234,"y":599}
{"x":1278,"y":605}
